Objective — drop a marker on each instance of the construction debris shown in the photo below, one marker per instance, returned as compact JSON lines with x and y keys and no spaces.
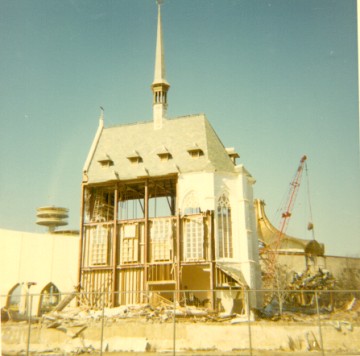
{"x":319,"y":280}
{"x":309,"y":293}
{"x":79,"y":328}
{"x":68,"y":299}
{"x":354,"y":305}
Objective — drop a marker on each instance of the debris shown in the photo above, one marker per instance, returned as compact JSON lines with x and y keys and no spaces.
{"x":67,"y":299}
{"x":239,"y":319}
{"x":71,"y":333}
{"x":312,"y":343}
{"x":54,"y":325}
{"x":4,"y":315}
{"x":337,"y":325}
{"x":195,"y":312}
{"x":319,"y":280}
{"x":353,"y":305}
{"x":296,"y":344}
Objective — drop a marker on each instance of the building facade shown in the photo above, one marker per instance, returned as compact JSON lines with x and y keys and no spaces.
{"x":165,"y":207}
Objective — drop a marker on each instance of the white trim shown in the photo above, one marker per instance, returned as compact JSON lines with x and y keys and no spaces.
{"x":93,"y":145}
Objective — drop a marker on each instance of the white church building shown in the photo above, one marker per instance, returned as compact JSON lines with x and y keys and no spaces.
{"x":165,"y":207}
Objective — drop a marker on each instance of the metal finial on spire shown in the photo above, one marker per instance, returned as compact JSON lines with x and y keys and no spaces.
{"x":159,"y":2}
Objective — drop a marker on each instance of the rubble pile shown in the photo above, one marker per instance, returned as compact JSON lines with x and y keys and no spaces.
{"x":79,"y":317}
{"x":319,"y":280}
{"x":78,"y":329}
{"x":310,"y":293}
{"x":304,"y":286}
{"x":158,"y":309}
{"x":75,"y":325}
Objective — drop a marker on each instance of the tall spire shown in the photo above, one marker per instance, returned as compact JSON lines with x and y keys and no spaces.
{"x":160,"y":86}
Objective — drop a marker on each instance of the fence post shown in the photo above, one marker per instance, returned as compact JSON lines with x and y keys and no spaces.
{"x":174,"y":324}
{"x":319,"y":321}
{"x":102,"y":324}
{"x":248,"y":310}
{"x":29,"y":299}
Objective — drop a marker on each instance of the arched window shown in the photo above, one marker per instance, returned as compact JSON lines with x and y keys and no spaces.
{"x":14,"y":302}
{"x":191,"y":204}
{"x":224,"y":233}
{"x":49,"y":298}
{"x":18,"y":300}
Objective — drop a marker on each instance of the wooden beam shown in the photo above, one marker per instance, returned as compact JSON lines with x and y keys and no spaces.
{"x":178,"y":255}
{"x":161,"y":283}
{"x":146,"y":233}
{"x":81,"y":242}
{"x":212,"y":259}
{"x":115,"y":247}
{"x":178,"y":242}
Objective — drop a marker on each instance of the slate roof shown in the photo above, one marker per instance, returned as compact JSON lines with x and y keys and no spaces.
{"x":132,"y":151}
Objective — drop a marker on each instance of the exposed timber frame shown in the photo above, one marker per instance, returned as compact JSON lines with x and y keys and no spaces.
{"x":126,"y":257}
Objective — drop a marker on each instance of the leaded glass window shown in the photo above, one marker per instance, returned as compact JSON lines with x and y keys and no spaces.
{"x":161,"y":239}
{"x":224,"y":232}
{"x":193,"y":238}
{"x":99,"y":245}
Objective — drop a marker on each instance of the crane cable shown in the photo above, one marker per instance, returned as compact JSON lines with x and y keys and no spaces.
{"x":310,"y":224}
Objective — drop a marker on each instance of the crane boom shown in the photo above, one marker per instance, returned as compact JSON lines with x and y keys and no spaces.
{"x":295,"y":185}
{"x":271,"y":250}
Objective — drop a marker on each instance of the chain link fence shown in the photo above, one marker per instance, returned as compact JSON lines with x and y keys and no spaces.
{"x":179,"y":322}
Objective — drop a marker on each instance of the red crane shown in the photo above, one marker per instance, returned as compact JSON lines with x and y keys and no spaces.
{"x":271,"y":250}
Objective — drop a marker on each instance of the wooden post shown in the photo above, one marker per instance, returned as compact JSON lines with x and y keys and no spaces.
{"x":81,"y":242}
{"x":212,"y":259}
{"x":146,"y":233}
{"x":115,"y":247}
{"x":178,"y":254}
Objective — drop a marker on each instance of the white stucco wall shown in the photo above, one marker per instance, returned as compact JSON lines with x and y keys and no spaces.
{"x":201,"y":185}
{"x":40,"y":258}
{"x":207,"y":188}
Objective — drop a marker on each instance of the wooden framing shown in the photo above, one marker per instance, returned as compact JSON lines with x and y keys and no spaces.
{"x":129,"y":280}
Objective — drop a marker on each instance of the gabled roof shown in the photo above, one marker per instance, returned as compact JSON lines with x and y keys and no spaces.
{"x":177,"y":136}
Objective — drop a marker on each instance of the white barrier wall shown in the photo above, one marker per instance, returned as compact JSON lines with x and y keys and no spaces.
{"x":41,"y":258}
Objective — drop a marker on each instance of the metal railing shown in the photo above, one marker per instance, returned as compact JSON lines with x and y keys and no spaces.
{"x":178,"y":322}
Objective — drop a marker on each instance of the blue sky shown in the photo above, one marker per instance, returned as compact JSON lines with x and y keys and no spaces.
{"x":277,"y":79}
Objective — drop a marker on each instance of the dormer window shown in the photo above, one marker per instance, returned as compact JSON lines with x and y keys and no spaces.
{"x":135,"y":158}
{"x":232,"y":154}
{"x":106,"y":162}
{"x":195,"y":152}
{"x":164,"y":154}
